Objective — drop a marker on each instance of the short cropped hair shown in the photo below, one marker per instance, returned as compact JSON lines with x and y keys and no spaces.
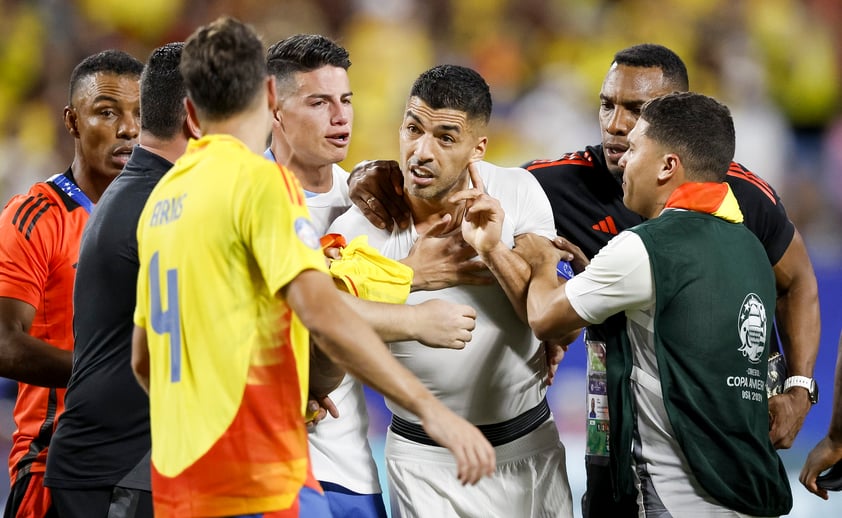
{"x":162,"y":92}
{"x":223,"y":66}
{"x":303,"y":53}
{"x":698,"y":128}
{"x":454,"y":87}
{"x":650,"y":55}
{"x":109,"y":61}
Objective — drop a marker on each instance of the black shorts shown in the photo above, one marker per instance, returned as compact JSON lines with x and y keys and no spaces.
{"x":110,"y":502}
{"x":598,"y":500}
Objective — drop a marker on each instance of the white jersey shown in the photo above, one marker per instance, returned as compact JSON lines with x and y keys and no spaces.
{"x":339,"y":449}
{"x":325,"y":207}
{"x":501,"y":372}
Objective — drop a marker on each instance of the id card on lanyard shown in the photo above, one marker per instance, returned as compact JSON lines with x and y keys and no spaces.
{"x":597,"y":400}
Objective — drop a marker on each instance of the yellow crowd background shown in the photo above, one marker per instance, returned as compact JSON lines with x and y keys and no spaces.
{"x":776,"y":63}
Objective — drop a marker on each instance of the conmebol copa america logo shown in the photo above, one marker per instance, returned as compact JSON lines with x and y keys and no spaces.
{"x":752,"y":324}
{"x":307,"y":233}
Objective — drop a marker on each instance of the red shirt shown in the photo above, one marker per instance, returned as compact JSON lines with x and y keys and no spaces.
{"x":40,"y":234}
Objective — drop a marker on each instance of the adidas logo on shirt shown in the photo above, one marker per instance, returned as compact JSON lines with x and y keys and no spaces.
{"x":606,"y":225}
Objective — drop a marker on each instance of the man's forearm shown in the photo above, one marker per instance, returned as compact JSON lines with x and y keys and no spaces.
{"x":29,"y":360}
{"x":390,"y":321}
{"x":799,"y":325}
{"x":512,"y":273}
{"x":797,"y":312}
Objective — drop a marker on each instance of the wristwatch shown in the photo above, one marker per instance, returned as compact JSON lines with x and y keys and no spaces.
{"x":804,"y":382}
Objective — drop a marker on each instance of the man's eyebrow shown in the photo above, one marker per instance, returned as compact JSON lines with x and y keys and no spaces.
{"x":105,"y":98}
{"x":328,"y":96}
{"x":440,"y":127}
{"x":450,"y":127}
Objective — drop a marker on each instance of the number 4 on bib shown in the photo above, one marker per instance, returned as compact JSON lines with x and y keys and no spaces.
{"x":166,"y":322}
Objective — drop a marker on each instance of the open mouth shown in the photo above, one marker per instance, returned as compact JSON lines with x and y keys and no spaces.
{"x":121,"y":155}
{"x":339,"y":139}
{"x":614,"y":153}
{"x":420,"y":172}
{"x":421,"y":175}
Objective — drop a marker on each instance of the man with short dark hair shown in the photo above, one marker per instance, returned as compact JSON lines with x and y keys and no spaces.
{"x":39,"y":246}
{"x":687,"y":371}
{"x":496,"y":381}
{"x":98,"y":461}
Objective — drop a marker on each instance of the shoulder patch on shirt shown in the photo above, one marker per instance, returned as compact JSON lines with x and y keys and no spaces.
{"x":306,"y":232}
{"x":29,"y":212}
{"x":577,"y":158}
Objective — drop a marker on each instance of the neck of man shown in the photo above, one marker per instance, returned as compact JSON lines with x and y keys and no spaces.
{"x":92,"y":184}
{"x":250,"y":126}
{"x":168,"y":148}
{"x":655,"y":210}
{"x":313,"y":178}
{"x":428,"y":211}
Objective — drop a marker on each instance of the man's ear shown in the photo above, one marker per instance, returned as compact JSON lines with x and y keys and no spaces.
{"x":478,"y":152}
{"x":191,"y":128}
{"x":271,"y":93}
{"x":274,"y":104}
{"x":277,"y":118}
{"x":670,"y":167}
{"x":71,"y":121}
{"x":192,"y":124}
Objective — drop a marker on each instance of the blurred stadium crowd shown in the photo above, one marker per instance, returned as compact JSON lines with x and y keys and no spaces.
{"x":776,"y":63}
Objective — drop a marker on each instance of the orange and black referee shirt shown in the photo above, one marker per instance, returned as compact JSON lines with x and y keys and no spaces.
{"x":40,"y":232}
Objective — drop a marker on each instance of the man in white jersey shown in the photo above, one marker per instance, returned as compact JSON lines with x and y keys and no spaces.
{"x":498,"y":380}
{"x":310,"y":135}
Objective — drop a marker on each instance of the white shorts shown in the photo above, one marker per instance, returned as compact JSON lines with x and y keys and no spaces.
{"x":530,"y":481}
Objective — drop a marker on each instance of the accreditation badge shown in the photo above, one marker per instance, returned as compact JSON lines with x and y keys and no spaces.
{"x":597,"y":400}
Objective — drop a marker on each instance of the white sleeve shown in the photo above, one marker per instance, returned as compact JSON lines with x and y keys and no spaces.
{"x":618,"y":279}
{"x":526,"y":205}
{"x":350,"y":224}
{"x":536,"y":214}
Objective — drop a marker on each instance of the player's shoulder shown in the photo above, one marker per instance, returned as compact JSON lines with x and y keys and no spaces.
{"x":352,"y":223}
{"x":566,"y":162}
{"x":745,"y":183}
{"x":489,"y":169}
{"x":44,"y":207}
{"x":500,"y":180}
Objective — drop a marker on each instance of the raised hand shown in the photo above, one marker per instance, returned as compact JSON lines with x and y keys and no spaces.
{"x":482,"y":223}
